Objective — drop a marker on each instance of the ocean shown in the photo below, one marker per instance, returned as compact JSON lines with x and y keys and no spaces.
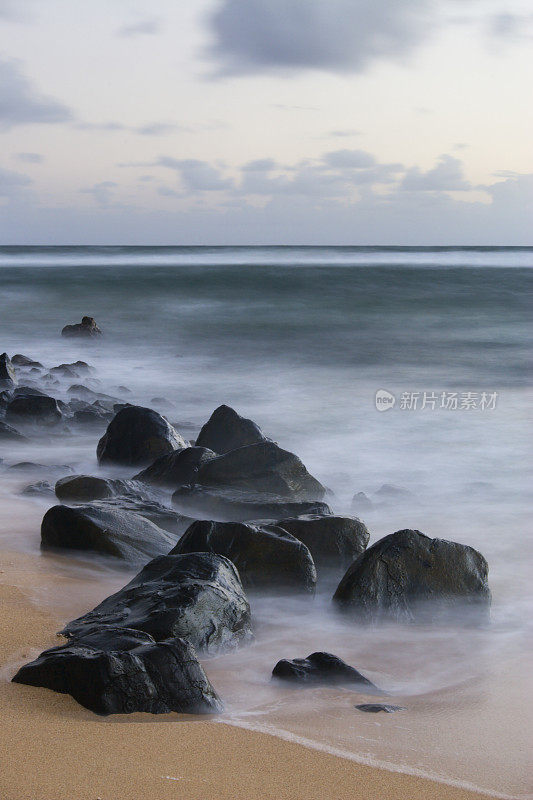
{"x":306,"y":341}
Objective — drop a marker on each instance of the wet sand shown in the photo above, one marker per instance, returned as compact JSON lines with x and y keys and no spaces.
{"x":53,"y":749}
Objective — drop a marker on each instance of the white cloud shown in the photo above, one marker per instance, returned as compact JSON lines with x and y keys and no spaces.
{"x":22,"y":104}
{"x":446,"y":176}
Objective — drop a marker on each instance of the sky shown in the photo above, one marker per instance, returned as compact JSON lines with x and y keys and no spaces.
{"x":328,"y":122}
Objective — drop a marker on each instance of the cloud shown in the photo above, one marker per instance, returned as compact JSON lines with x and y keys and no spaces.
{"x":21,"y":104}
{"x":345,"y":132}
{"x":349,"y":159}
{"x":30,"y":158}
{"x":102,"y":192}
{"x":12,"y":182}
{"x":147,"y":27}
{"x":196,"y":176}
{"x":148,"y":129}
{"x":447,"y":176}
{"x":510,"y":26}
{"x":260,"y":165}
{"x":251,"y":36}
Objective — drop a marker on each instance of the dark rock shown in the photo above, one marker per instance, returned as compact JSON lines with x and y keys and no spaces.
{"x":23,"y":361}
{"x":177,"y":468}
{"x":165,"y":518}
{"x":8,"y":378}
{"x":361,"y":503}
{"x":87,"y":328}
{"x":31,"y":466}
{"x":92,"y":415}
{"x":389,"y":493}
{"x":409,"y":577}
{"x":333,"y":541}
{"x":265,"y":555}
{"x":39,"y":489}
{"x":375,"y":708}
{"x":197,"y":596}
{"x":84,"y":488}
{"x":262,"y":467}
{"x":119,"y":671}
{"x":227,"y":505}
{"x":322,"y":668}
{"x":137,"y":435}
{"x":111,"y":531}
{"x":33,"y":408}
{"x":10,"y":433}
{"x":226,"y":430}
{"x":162,"y":401}
{"x":29,"y":390}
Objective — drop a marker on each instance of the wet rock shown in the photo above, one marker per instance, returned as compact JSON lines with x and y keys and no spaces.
{"x":333,"y":541}
{"x":84,"y":488}
{"x":197,"y":596}
{"x":7,"y":432}
{"x":87,"y":329}
{"x":361,"y":503}
{"x":110,"y":531}
{"x":120,"y":671}
{"x":323,"y":668}
{"x":33,"y":408}
{"x":409,"y":577}
{"x":177,"y":468}
{"x":375,"y":708}
{"x":226,"y":430}
{"x":24,"y":361}
{"x":262,"y":467}
{"x":265,"y":555}
{"x":165,"y":518}
{"x":31,"y":466}
{"x":137,"y":435}
{"x":8,"y":378}
{"x":92,"y":415}
{"x":39,"y":489}
{"x":29,"y":390}
{"x":227,"y":505}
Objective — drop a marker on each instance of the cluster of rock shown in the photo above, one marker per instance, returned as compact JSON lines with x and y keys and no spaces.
{"x":245,"y":515}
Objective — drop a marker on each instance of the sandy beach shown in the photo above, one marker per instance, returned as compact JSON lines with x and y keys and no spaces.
{"x":53,"y":749}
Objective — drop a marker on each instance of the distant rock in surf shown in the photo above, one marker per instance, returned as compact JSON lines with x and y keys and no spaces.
{"x":137,"y":435}
{"x":375,"y":708}
{"x":87,"y":328}
{"x":323,"y":668}
{"x":226,"y":430}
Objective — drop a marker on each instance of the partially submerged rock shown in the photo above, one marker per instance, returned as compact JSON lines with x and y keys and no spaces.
{"x":86,"y":329}
{"x":39,"y":489}
{"x":375,"y":708}
{"x":322,"y":668}
{"x":137,"y":435}
{"x":84,"y":488}
{"x":409,"y":577}
{"x":197,"y":596}
{"x":113,"y":532}
{"x":120,"y":671}
{"x":24,"y":361}
{"x":265,"y":555}
{"x":10,"y":433}
{"x":334,"y":541}
{"x":33,"y":407}
{"x":177,"y":468}
{"x":8,"y":378}
{"x":226,"y":430}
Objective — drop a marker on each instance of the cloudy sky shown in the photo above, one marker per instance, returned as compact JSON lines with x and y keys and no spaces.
{"x":266,"y":121}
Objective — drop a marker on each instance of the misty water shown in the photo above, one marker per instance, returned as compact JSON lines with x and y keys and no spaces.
{"x":300,"y":340}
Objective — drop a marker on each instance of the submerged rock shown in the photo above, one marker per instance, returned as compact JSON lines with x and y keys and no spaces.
{"x":39,"y":489}
{"x":333,"y":541}
{"x":120,"y":671}
{"x":226,"y":430}
{"x":177,"y":468}
{"x":24,"y":361}
{"x":229,"y":505}
{"x":33,"y":407}
{"x":87,"y":329}
{"x":361,"y":503}
{"x":8,"y":378}
{"x":262,"y":467}
{"x":409,"y":577}
{"x":197,"y":596}
{"x":137,"y":435}
{"x":114,"y":532}
{"x":322,"y":668}
{"x":375,"y":708}
{"x":265,"y":555}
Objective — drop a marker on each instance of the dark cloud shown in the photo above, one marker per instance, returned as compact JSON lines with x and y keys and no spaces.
{"x":446,"y":176}
{"x":253,"y":36}
{"x":21,"y":104}
{"x":30,"y":158}
{"x":147,"y":27}
{"x":12,"y":182}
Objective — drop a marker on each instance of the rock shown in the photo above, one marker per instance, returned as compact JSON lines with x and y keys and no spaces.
{"x":227,"y":505}
{"x":33,"y":408}
{"x":23,"y":361}
{"x":119,"y":671}
{"x":8,"y":378}
{"x":165,"y":518}
{"x":177,"y":468}
{"x":375,"y":708}
{"x":87,"y":328}
{"x":162,"y":401}
{"x":137,"y":435}
{"x":265,"y":555}
{"x":51,"y":469}
{"x":262,"y":467}
{"x":333,"y":541}
{"x":39,"y":489}
{"x":409,"y":577}
{"x":28,"y":390}
{"x":197,"y":596}
{"x":361,"y":503}
{"x":92,"y":415}
{"x":389,"y":493}
{"x":10,"y":433}
{"x":322,"y":668}
{"x":84,"y":488}
{"x":226,"y":430}
{"x":111,"y":531}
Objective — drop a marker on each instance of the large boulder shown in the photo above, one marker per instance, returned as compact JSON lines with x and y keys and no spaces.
{"x":324,"y":668}
{"x":198,"y":596}
{"x":86,"y":329}
{"x":111,"y":531}
{"x":119,"y":671}
{"x":226,"y":430}
{"x":33,"y":407}
{"x":409,"y":577}
{"x":137,"y":435}
{"x":8,"y":378}
{"x":333,"y":541}
{"x":265,"y":555}
{"x":262,"y":467}
{"x":231,"y":505}
{"x":177,"y":468}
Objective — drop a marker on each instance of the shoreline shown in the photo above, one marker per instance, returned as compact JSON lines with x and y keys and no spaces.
{"x":53,"y":749}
